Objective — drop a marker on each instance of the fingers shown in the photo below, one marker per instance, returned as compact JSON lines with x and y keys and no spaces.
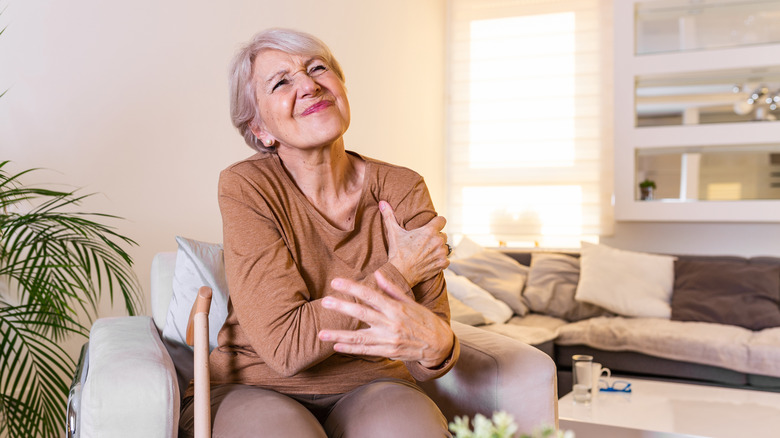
{"x":391,"y":288}
{"x":358,"y":311}
{"x":388,"y":215}
{"x":437,"y":223}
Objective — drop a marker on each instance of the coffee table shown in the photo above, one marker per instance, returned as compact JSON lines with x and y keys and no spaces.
{"x":658,"y":409}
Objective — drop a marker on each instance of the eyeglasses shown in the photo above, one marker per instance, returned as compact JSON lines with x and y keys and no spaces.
{"x":615,"y":386}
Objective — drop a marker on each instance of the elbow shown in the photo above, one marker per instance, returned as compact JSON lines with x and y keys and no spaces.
{"x":286,"y":365}
{"x":287,"y":369}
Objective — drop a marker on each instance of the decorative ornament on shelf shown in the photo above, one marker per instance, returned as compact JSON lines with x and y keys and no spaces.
{"x":502,"y":425}
{"x":646,"y":188}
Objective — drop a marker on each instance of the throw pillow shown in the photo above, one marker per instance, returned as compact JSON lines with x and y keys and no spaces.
{"x":465,"y":249}
{"x":197,"y":264}
{"x":464,"y":314}
{"x":477,"y":298}
{"x":498,"y":274}
{"x":552,"y":282}
{"x":735,"y":293}
{"x":626,"y":282}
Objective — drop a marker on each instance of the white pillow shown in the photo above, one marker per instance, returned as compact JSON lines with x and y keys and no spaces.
{"x":464,"y":314}
{"x":477,"y":298}
{"x":465,"y":249}
{"x":197,"y":264}
{"x":497,"y":273}
{"x":626,"y":282}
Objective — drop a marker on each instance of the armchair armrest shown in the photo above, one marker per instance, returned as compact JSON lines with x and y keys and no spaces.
{"x":497,"y":373}
{"x":130,"y":387}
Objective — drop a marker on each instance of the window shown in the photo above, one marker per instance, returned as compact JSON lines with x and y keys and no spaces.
{"x":529,"y":126}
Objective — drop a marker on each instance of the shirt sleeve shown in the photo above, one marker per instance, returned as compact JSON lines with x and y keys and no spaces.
{"x":415,"y":210}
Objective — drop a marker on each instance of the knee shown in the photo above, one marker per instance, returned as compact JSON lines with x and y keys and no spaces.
{"x":387,"y":409}
{"x":239,"y":410}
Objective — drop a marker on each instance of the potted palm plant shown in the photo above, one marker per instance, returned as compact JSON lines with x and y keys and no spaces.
{"x":55,"y":263}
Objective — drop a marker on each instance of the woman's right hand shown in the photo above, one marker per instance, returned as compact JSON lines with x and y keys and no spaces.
{"x":417,"y":254}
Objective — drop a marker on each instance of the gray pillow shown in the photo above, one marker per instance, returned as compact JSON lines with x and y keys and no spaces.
{"x":498,"y":274}
{"x":552,"y":282}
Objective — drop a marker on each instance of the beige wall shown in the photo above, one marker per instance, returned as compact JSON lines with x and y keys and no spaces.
{"x":129,"y":99}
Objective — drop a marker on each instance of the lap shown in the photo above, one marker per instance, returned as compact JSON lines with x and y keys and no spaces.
{"x":249,"y":411}
{"x":385,"y":408}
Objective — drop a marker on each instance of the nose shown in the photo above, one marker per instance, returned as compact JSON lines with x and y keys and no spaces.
{"x":307,"y":86}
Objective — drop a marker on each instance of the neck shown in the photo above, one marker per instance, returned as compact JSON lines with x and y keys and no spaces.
{"x":321,"y":172}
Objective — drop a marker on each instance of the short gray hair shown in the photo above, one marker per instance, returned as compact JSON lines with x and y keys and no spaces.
{"x":243,"y":100}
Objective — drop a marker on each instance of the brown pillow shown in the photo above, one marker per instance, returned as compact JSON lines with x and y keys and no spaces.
{"x":727,"y":292}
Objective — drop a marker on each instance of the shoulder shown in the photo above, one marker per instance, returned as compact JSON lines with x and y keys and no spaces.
{"x":259,"y":167}
{"x":392,"y":175}
{"x":254,"y":174}
{"x":257,"y":163}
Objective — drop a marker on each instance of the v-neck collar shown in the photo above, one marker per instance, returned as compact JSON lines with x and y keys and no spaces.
{"x":313,"y":212}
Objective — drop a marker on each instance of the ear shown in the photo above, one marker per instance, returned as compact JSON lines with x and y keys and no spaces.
{"x":264,"y":136}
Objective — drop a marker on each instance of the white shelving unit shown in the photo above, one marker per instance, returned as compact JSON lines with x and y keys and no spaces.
{"x":628,"y":137}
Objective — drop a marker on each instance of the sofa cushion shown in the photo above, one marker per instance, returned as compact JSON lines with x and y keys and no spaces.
{"x":552,"y":282}
{"x":496,"y":273}
{"x":626,"y":282}
{"x":197,"y":264}
{"x":526,"y":333}
{"x":727,"y":292}
{"x":464,"y":314}
{"x":764,"y":350}
{"x":719,"y":345}
{"x":476,"y":298}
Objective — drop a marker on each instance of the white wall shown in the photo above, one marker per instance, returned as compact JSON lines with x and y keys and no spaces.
{"x":718,"y":238}
{"x":129,"y":99}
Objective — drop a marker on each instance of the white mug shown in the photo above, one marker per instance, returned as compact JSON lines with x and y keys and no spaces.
{"x":597,"y":373}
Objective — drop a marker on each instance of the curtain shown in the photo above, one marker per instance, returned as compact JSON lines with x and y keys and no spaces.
{"x":529,"y":121}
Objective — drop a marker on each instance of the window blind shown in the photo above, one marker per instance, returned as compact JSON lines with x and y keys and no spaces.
{"x":529,"y":122}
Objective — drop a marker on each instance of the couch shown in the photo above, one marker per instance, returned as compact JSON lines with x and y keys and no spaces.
{"x":128,"y":382}
{"x":707,"y":319}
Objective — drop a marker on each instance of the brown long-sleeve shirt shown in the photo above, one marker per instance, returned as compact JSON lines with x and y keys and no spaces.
{"x":280,"y":256}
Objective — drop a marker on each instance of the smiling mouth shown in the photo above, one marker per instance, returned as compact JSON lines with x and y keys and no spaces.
{"x":319,"y":106}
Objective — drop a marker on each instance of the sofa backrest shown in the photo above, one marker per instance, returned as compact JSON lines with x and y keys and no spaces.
{"x":163,"y":264}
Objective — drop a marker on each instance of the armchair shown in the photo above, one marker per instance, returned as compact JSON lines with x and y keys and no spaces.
{"x":126,"y":385}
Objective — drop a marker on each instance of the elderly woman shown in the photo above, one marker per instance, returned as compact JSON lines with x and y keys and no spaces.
{"x":335,"y":308}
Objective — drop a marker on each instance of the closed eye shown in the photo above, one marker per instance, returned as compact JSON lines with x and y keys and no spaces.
{"x":279,"y":84}
{"x":317,"y":69}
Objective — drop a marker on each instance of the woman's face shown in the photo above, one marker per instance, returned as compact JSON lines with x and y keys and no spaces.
{"x":302,"y":102}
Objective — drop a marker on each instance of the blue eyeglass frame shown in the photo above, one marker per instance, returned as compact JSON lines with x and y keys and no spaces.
{"x":611,"y":386}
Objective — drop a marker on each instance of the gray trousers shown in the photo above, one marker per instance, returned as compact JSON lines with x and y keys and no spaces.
{"x":384,"y":408}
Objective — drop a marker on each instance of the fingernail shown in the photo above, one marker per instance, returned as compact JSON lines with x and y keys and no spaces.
{"x":327,"y":302}
{"x":324,"y":336}
{"x":382,"y":205}
{"x":336,"y":283}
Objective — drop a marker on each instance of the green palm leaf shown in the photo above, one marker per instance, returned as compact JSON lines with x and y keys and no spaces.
{"x":31,"y":380}
{"x":57,"y":262}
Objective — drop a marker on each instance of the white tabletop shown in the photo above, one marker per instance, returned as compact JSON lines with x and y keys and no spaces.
{"x":677,"y":408}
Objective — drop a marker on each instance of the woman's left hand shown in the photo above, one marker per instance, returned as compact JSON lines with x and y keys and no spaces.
{"x":399,"y":327}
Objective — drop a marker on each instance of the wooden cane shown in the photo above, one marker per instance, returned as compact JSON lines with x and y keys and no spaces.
{"x":198,"y":338}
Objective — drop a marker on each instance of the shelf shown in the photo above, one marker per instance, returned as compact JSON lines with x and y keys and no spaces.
{"x":682,"y":81}
{"x":690,"y":25}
